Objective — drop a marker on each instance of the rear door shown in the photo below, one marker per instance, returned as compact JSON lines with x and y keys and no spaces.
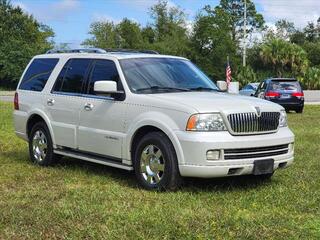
{"x":101,"y":126}
{"x":65,"y":102}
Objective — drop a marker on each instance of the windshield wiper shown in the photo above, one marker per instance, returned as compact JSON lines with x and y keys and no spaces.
{"x":204,"y":89}
{"x":159,"y":88}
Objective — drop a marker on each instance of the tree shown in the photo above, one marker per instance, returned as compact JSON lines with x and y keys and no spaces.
{"x":313,"y":52}
{"x":282,"y":56}
{"x":103,"y":35}
{"x":129,"y":34}
{"x":311,"y":79}
{"x":21,"y":37}
{"x":284,"y":29}
{"x":246,"y":75}
{"x":169,"y":28}
{"x":211,"y":43}
{"x":312,"y":31}
{"x":234,"y":10}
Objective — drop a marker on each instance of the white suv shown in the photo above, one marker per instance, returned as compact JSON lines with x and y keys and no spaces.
{"x":157,"y":115}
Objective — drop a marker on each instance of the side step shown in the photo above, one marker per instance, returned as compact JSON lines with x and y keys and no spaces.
{"x":93,"y":158}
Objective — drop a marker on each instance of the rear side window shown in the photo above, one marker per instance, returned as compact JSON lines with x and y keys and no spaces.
{"x":73,"y":76}
{"x":38,"y":74}
{"x":104,"y":70}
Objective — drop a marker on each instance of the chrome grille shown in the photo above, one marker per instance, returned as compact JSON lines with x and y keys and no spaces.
{"x":258,"y":152}
{"x":250,"y":123}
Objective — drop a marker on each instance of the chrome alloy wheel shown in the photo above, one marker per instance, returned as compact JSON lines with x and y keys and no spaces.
{"x":39,"y":145}
{"x":152,"y":164}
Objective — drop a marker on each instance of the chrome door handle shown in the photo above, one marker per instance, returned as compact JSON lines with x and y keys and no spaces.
{"x":88,"y":106}
{"x":50,"y":102}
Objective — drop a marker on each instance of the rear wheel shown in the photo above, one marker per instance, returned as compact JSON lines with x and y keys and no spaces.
{"x":40,"y":145}
{"x":155,"y":163}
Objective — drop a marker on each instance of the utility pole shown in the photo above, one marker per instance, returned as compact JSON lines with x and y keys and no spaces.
{"x":245,"y":34}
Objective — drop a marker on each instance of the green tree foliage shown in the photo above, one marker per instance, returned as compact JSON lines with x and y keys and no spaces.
{"x":103,"y":35}
{"x":212,"y":42}
{"x":313,"y":51}
{"x":234,"y":11}
{"x":282,"y":56}
{"x":311,"y":79}
{"x":166,"y":34}
{"x":246,"y":75}
{"x":21,"y":37}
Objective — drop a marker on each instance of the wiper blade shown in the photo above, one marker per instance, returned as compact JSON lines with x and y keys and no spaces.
{"x":204,"y":89}
{"x":159,"y":88}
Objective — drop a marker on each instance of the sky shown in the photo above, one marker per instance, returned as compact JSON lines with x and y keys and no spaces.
{"x":71,"y":19}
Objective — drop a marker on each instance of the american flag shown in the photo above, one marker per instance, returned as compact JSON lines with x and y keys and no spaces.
{"x":228,"y":74}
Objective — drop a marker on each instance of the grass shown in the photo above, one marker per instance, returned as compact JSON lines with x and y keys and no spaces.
{"x":76,"y":199}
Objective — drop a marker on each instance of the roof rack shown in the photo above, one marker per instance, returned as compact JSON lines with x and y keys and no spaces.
{"x":78,"y":50}
{"x":100,"y":50}
{"x":123,"y":50}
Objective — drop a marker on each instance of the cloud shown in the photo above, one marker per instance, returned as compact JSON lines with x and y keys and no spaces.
{"x":56,"y":11}
{"x":299,"y":12}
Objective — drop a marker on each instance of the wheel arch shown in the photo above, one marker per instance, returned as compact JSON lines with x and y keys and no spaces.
{"x":35,"y":117}
{"x":145,"y":126}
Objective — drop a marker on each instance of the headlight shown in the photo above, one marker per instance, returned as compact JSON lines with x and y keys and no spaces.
{"x":283,"y":119}
{"x":206,"y":122}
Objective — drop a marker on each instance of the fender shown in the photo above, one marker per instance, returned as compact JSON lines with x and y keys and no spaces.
{"x":154,"y":119}
{"x":41,"y":113}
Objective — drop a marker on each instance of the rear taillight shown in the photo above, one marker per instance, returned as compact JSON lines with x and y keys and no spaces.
{"x":272,"y":94}
{"x":16,"y":101}
{"x":298,"y":94}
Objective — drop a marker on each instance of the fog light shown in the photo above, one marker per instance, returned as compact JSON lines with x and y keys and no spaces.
{"x":291,"y":147}
{"x":213,"y":155}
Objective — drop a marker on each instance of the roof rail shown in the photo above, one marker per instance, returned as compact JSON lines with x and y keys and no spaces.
{"x":78,"y":50}
{"x":123,"y":50}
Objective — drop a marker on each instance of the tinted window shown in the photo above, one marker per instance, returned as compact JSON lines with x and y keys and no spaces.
{"x":38,"y":74}
{"x":72,"y":76}
{"x":104,"y":70}
{"x":284,"y":86}
{"x":248,"y":87}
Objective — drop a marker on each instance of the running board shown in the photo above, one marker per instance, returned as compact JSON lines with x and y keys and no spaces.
{"x":94,"y":159}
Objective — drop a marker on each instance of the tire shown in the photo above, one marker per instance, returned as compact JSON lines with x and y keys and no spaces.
{"x":40,"y":146}
{"x":299,"y":110}
{"x":155,"y":163}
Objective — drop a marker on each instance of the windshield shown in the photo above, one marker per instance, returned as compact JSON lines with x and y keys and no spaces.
{"x":293,"y":86}
{"x":150,"y":75}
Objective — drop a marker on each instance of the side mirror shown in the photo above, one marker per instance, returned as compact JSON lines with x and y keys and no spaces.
{"x":108,"y":88}
{"x":101,"y":87}
{"x":222,"y":85}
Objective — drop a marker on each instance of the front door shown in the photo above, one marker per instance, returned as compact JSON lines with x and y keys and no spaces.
{"x":101,"y":122}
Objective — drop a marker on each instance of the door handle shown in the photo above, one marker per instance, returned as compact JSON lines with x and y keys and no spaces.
{"x":88,"y":106}
{"x":50,"y":102}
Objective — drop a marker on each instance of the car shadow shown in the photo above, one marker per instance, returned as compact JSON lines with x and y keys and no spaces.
{"x":127,"y":178}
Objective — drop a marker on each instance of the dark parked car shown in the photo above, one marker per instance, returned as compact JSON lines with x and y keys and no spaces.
{"x":285,"y":91}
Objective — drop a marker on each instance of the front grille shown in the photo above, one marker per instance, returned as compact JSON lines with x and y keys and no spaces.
{"x":250,"y":123}
{"x":259,"y":152}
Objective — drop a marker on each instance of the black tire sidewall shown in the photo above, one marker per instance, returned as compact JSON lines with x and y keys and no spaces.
{"x":161,"y":141}
{"x":49,"y":159}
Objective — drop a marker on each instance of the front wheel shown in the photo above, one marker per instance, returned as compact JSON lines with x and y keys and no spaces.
{"x":155,"y":163}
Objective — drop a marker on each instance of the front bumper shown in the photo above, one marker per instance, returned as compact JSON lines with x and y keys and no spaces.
{"x":195,"y":145}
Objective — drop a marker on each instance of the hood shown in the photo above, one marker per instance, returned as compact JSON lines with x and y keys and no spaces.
{"x":206,"y":102}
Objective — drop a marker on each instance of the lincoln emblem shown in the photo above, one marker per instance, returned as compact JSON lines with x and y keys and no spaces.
{"x":258,"y":111}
